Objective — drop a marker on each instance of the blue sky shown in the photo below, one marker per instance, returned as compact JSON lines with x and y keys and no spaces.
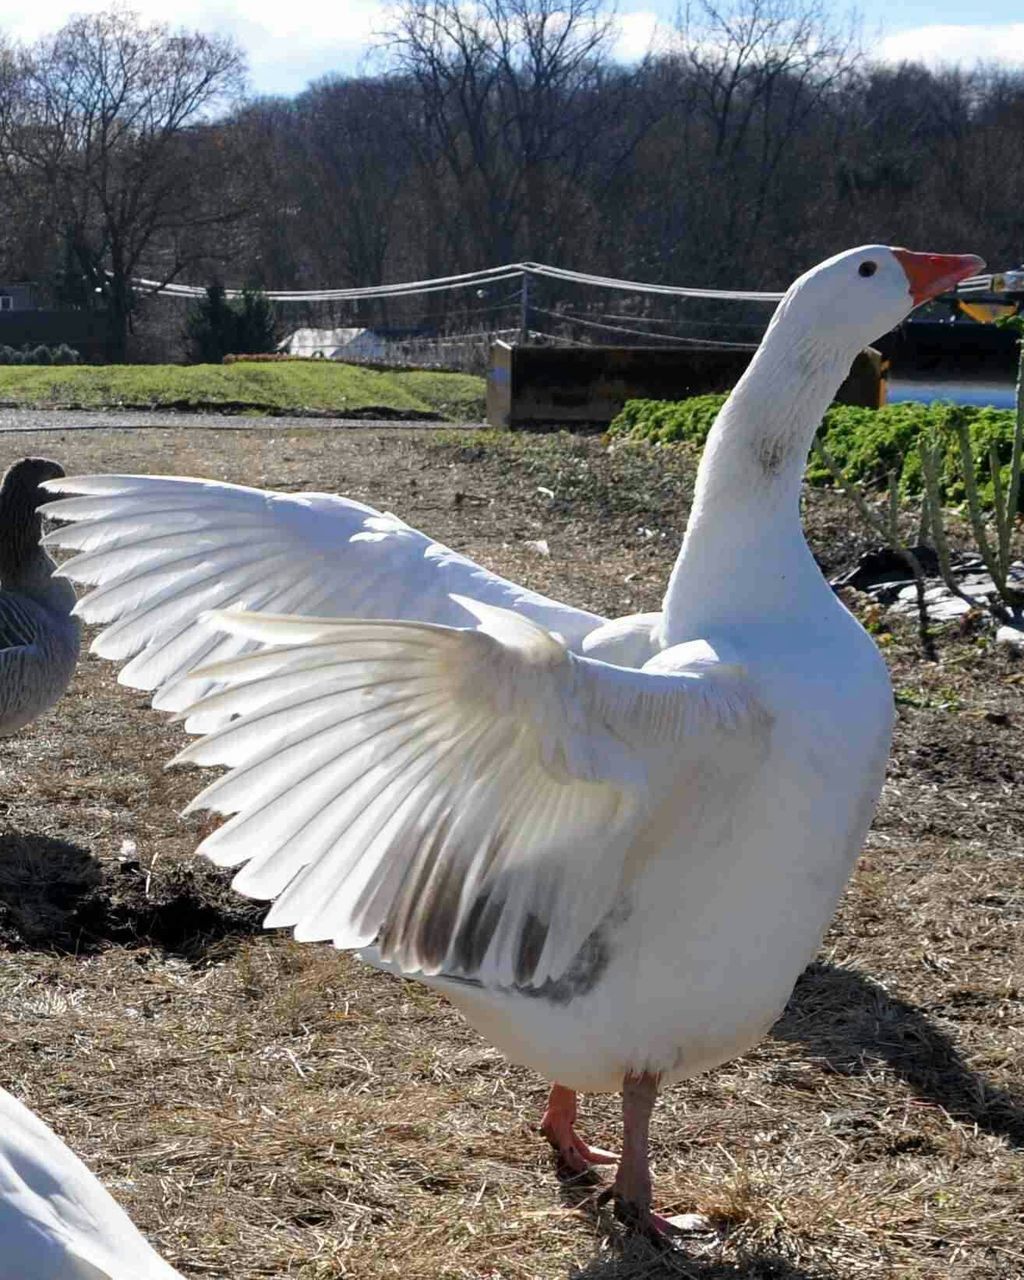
{"x":290,"y":44}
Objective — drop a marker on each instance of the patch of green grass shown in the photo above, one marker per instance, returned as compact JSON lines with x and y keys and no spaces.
{"x":289,"y":387}
{"x":941,"y":699}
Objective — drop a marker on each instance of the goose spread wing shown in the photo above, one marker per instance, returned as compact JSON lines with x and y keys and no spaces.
{"x":160,"y":550}
{"x":468,"y":801}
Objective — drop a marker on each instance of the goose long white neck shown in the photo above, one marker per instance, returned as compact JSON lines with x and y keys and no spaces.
{"x":744,"y":554}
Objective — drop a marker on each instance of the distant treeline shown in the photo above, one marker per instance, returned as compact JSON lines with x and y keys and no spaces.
{"x":758,"y":140}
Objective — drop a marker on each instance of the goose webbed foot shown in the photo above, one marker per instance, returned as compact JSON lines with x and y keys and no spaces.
{"x":660,"y":1229}
{"x":559,"y":1127}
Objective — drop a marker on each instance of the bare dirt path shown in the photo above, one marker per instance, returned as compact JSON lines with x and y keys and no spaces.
{"x":49,"y":420}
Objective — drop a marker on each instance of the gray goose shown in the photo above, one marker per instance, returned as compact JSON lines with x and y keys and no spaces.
{"x":39,"y":639}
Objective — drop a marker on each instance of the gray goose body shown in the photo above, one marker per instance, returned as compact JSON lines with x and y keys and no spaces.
{"x":39,"y":639}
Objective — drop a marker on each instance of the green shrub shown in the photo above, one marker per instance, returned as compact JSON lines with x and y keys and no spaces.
{"x":39,"y":355}
{"x":668,"y":421}
{"x":218,"y":326}
{"x":865,"y":444}
{"x":256,"y":330}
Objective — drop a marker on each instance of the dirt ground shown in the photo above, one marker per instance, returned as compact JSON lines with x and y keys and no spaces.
{"x":264,"y":1108}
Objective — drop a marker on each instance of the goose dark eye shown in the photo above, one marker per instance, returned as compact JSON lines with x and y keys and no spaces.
{"x":867,"y":268}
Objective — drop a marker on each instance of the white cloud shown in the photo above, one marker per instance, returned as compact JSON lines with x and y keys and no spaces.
{"x":640,"y":32}
{"x":314,"y":21}
{"x":287,"y":44}
{"x":956,"y":43}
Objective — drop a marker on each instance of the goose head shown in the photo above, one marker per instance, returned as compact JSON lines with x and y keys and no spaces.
{"x":20,"y":486}
{"x":846,"y":302}
{"x":20,"y":521}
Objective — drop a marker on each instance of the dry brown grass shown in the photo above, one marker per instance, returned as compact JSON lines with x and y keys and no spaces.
{"x":269,"y":1109}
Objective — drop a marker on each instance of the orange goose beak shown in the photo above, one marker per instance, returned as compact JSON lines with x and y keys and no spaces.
{"x":930,"y":274}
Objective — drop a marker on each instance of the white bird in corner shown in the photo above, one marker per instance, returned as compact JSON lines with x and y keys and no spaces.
{"x":39,"y":638}
{"x":57,"y":1222}
{"x":613,"y":845}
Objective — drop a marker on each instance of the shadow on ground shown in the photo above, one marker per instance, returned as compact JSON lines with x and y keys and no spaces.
{"x":845,"y":1019}
{"x":640,"y":1261}
{"x":57,"y":896}
{"x":634,"y":1258}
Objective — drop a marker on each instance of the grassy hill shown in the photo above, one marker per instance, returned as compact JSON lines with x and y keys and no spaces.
{"x":317,"y":388}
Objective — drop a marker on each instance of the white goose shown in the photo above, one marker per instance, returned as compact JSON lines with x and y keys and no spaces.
{"x":57,"y":1222}
{"x":616,"y":873}
{"x":38,"y":636}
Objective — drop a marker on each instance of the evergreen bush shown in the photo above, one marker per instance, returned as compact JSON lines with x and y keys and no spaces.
{"x":218,"y":326}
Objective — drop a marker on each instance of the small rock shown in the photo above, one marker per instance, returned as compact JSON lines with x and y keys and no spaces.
{"x":947,"y":609}
{"x":540,"y":545}
{"x":942,"y":607}
{"x":997,"y":717}
{"x":883,"y":565}
{"x":690,"y":1224}
{"x":1011,"y":635}
{"x":887,"y":592}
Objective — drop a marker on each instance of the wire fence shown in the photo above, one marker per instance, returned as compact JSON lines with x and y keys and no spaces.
{"x":451,"y":321}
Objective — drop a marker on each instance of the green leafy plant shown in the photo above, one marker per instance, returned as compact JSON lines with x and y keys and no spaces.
{"x":867,"y":445}
{"x":994,"y":535}
{"x":944,"y":454}
{"x":668,"y":421}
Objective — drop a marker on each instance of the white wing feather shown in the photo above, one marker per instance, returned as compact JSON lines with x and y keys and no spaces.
{"x":57,"y":1221}
{"x":162,"y":549}
{"x":467,"y":800}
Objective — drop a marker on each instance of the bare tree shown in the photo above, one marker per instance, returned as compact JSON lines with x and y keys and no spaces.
{"x":756,"y":73}
{"x":505,"y":91}
{"x":104,"y":116}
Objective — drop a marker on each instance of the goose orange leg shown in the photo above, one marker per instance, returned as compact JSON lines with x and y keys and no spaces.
{"x":631,"y":1190}
{"x":559,"y":1127}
